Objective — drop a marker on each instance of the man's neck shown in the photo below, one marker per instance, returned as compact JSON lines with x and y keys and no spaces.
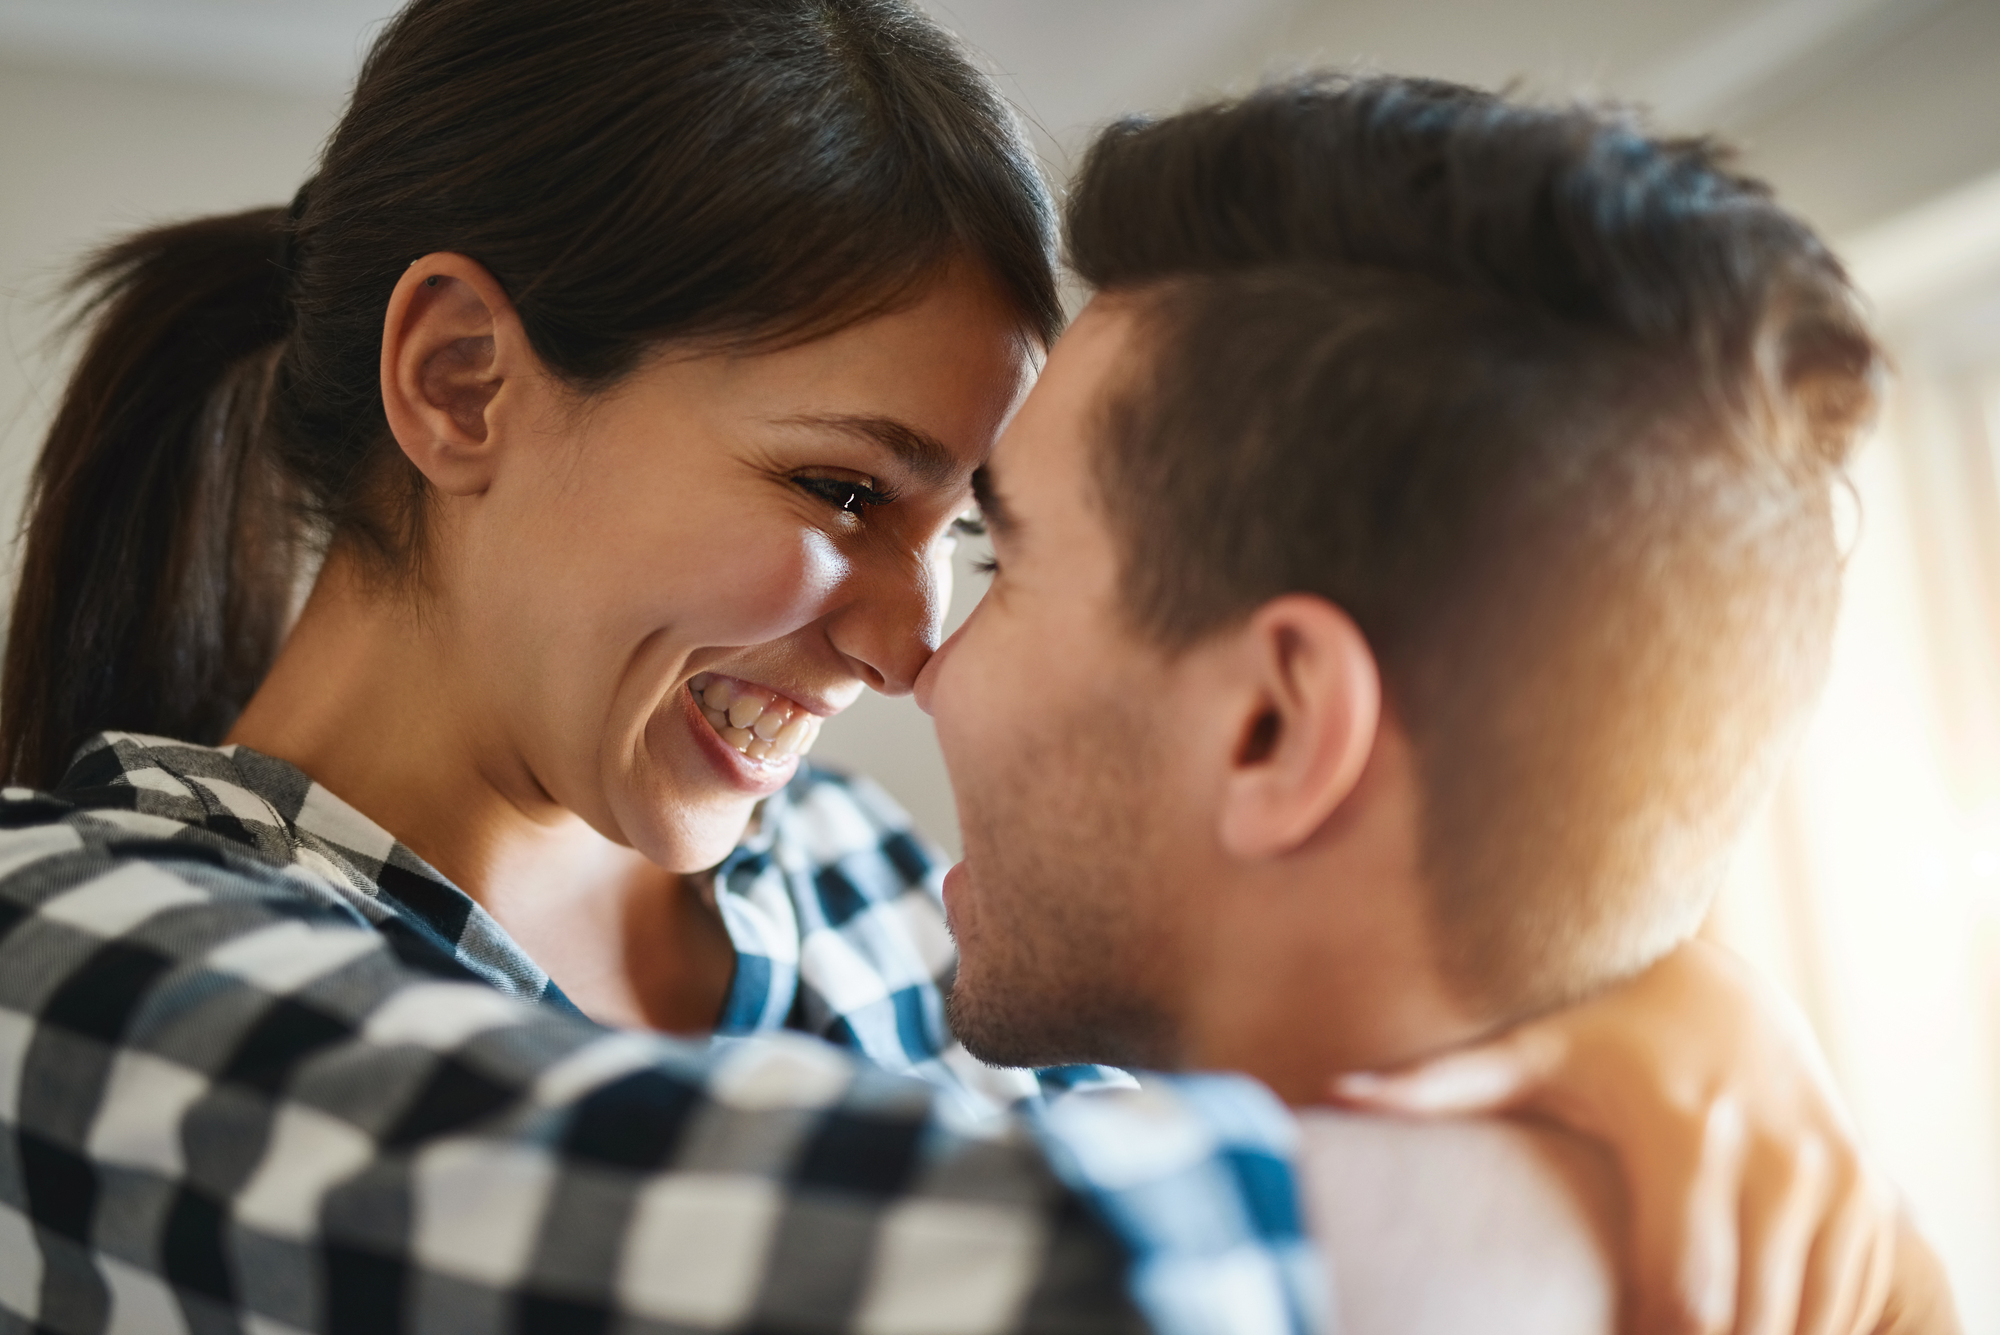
{"x":1322,"y":962}
{"x":1300,"y":1008}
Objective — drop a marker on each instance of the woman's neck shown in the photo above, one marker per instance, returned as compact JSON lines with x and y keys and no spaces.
{"x":364,"y":698}
{"x":369,"y":698}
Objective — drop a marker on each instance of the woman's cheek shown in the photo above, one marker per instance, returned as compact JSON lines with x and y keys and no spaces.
{"x":763,"y":591}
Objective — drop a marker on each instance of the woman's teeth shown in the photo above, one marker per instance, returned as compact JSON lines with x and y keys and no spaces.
{"x":761,"y":724}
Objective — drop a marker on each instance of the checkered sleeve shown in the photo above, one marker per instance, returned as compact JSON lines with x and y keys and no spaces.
{"x":1194,"y":1174}
{"x":225,"y":1103}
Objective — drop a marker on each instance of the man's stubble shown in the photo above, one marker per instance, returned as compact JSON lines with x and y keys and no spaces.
{"x":1073,"y":950}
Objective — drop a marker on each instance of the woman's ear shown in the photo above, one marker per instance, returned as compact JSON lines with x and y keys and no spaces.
{"x":452,"y":348}
{"x":1312,"y":702}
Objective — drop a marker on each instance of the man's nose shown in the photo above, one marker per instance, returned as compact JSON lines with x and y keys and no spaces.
{"x":891,"y":622}
{"x":927,"y":679}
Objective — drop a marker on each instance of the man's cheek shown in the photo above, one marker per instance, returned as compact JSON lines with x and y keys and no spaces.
{"x":970,"y":713}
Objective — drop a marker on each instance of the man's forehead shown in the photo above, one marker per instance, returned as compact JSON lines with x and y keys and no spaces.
{"x":1044,"y":451}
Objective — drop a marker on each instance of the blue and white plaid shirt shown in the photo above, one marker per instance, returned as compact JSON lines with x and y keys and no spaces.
{"x":261,"y":1069}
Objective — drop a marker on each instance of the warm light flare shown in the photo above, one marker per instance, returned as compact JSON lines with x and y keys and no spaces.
{"x":1871,"y":887}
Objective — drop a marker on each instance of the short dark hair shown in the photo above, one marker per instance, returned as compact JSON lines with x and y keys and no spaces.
{"x":633,"y":172}
{"x":1554,"y":409}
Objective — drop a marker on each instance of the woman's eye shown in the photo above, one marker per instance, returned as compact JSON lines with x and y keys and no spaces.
{"x":852,"y":497}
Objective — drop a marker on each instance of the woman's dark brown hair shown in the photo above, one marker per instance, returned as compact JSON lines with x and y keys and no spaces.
{"x":632,"y":171}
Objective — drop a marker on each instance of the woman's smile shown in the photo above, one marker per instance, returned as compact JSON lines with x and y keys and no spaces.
{"x":754,"y":734}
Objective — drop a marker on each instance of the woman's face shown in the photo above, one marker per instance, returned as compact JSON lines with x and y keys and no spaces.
{"x":660,"y":603}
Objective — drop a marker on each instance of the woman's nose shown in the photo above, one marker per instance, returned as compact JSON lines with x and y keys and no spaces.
{"x":892,"y":619}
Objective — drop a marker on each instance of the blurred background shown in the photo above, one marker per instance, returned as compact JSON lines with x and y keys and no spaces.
{"x":1870,"y":889}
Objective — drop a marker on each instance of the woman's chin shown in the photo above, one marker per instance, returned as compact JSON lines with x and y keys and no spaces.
{"x":694,"y":796}
{"x":683,"y":835}
{"x":712,"y":835}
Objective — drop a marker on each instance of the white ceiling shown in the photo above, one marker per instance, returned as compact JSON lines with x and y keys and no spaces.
{"x":1692,"y":60}
{"x":1071,"y":54}
{"x":1074,"y":62}
{"x":1768,"y":71}
{"x":1068,"y":63}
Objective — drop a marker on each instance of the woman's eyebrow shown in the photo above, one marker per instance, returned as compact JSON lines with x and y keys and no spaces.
{"x":927,"y":458}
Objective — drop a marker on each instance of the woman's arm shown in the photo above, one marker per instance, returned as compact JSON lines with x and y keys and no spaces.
{"x":1920,"y":1301}
{"x":1752,"y":1208}
{"x":1501,"y":1226}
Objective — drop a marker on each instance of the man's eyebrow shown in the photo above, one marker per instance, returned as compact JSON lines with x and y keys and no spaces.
{"x":929,"y":459}
{"x":992,"y":507}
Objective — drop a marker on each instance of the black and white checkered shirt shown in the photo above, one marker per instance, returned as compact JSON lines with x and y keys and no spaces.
{"x":261,"y":1069}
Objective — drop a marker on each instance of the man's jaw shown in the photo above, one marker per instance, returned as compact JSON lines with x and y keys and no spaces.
{"x":1009,"y":1006}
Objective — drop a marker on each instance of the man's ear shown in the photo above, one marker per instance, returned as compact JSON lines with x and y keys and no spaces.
{"x":452,"y":345}
{"x":1311,"y":703}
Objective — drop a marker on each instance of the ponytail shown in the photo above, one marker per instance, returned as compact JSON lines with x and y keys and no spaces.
{"x":160,"y":553}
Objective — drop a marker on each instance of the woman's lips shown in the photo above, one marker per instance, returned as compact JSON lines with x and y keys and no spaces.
{"x":757,"y":723}
{"x":753,"y":778}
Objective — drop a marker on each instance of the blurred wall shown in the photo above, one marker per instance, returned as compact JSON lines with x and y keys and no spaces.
{"x":88,"y":155}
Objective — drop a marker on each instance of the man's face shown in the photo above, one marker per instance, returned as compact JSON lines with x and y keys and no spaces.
{"x":1051,"y":713}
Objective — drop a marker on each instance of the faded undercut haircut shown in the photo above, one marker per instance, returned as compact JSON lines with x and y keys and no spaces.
{"x":1554,"y":409}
